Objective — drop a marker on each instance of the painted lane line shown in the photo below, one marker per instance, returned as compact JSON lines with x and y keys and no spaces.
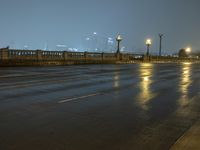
{"x":77,"y":98}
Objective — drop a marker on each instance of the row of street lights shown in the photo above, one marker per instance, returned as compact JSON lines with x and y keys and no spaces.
{"x":148,"y":44}
{"x":119,"y":39}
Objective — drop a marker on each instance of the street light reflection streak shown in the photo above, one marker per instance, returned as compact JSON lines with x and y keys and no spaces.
{"x":184,"y":84}
{"x":116,"y":80}
{"x":145,"y":73}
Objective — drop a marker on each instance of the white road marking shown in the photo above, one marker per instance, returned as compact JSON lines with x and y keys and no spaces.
{"x":77,"y":98}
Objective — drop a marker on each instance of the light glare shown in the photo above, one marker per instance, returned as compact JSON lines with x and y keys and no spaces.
{"x":188,"y":50}
{"x":148,"y":42}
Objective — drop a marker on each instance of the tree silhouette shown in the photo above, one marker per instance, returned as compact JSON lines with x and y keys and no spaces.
{"x":182,"y":53}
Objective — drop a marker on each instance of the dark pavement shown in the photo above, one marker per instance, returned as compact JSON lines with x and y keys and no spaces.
{"x":98,"y":107}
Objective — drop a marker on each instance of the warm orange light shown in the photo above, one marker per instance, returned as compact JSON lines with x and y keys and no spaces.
{"x":188,"y":50}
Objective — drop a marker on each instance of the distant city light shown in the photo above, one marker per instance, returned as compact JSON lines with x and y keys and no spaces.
{"x":26,"y":46}
{"x":73,"y":49}
{"x":123,"y":49}
{"x":95,"y":33}
{"x":61,"y":45}
{"x":87,"y":39}
{"x":110,"y":40}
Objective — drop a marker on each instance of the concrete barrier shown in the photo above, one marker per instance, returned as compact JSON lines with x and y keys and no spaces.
{"x":12,"y":57}
{"x":15,"y":57}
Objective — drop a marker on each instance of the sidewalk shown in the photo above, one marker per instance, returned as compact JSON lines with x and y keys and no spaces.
{"x":190,"y":140}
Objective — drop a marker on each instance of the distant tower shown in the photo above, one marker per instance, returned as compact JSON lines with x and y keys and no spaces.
{"x":160,"y":46}
{"x":46,"y":46}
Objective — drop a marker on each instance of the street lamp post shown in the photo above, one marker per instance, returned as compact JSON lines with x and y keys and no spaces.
{"x":148,"y":43}
{"x":118,"y":39}
{"x":160,"y":47}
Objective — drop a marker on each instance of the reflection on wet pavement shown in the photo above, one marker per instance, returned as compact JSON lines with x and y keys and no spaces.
{"x":146,"y":80}
{"x":97,"y":107}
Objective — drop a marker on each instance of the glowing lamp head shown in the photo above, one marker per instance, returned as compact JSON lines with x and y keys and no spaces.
{"x":188,"y":50}
{"x":148,"y":42}
{"x":119,"y":38}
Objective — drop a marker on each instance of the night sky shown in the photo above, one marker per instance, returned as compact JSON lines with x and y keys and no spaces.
{"x":36,"y":22}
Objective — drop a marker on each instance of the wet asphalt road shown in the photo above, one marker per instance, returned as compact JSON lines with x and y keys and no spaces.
{"x":98,"y":107}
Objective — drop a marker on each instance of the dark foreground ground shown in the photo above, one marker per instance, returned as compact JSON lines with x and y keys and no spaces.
{"x":98,"y":107}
